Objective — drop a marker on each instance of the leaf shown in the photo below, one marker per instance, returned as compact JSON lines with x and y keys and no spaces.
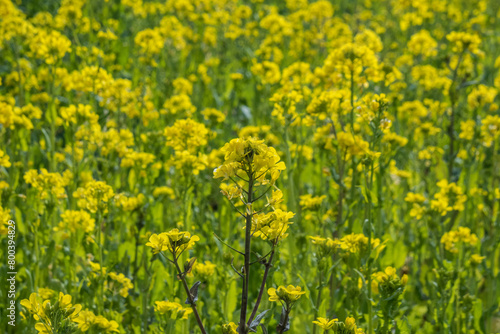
{"x":284,"y":316}
{"x":478,"y":311}
{"x":231,"y":299}
{"x":304,"y":283}
{"x":264,"y":329}
{"x":246,"y":111}
{"x":132,"y":179}
{"x":257,"y":320}
{"x":360,"y":275}
{"x":373,"y":197}
{"x":367,"y":227}
{"x":363,"y":192}
{"x":395,"y":294}
{"x":194,"y":293}
{"x":48,"y":257}
{"x":403,"y":326}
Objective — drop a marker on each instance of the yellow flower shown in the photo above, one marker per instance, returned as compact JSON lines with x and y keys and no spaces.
{"x":74,"y":220}
{"x":357,"y":243}
{"x":174,"y":241}
{"x":325,"y":323}
{"x":94,"y":196}
{"x":129,"y":203}
{"x":236,"y":76}
{"x":172,"y":309}
{"x":187,"y":163}
{"x":166,"y":191}
{"x":150,"y":41}
{"x":308,"y":202}
{"x":50,"y":46}
{"x":46,"y":293}
{"x":467,"y":129}
{"x":244,"y":155}
{"x":462,"y":235}
{"x":4,"y":160}
{"x":182,"y":86}
{"x":490,"y":129}
{"x":137,"y":159}
{"x":476,"y":259}
{"x":158,"y":243}
{"x":205,"y":270}
{"x":87,"y":320}
{"x":33,"y":305}
{"x":414,"y":198}
{"x":423,"y":44}
{"x":230,"y":328}
{"x":48,"y":184}
{"x":338,"y":327}
{"x":272,"y":226}
{"x":179,"y":104}
{"x":186,"y":135}
{"x":230,"y":190}
{"x":45,"y":311}
{"x":462,"y":41}
{"x":287,"y":295}
{"x":125,"y":283}
{"x":326,"y":245}
{"x":481,"y":95}
{"x":213,"y":115}
{"x":268,"y":72}
{"x":449,"y":198}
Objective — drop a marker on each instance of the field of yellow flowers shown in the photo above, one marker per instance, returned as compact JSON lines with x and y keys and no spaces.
{"x":241,"y":166}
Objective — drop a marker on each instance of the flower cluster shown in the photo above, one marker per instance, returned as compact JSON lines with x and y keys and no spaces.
{"x":338,"y":327}
{"x":286,"y":295}
{"x":272,"y":226}
{"x":175,"y":241}
{"x":250,"y":156}
{"x":52,"y":315}
{"x":172,"y":310}
{"x":94,"y":196}
{"x":463,"y":235}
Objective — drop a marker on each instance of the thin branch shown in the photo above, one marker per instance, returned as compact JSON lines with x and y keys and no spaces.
{"x":267,"y":170}
{"x":262,"y":286}
{"x":261,"y":258}
{"x":238,"y":185}
{"x":241,"y":178}
{"x":235,"y":270}
{"x":234,"y":206}
{"x":166,"y":258}
{"x":244,"y":203}
{"x":259,"y":211}
{"x":234,"y":249}
{"x":190,"y":297}
{"x":265,"y":192}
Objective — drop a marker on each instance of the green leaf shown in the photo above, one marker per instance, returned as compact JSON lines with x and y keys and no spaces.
{"x":363,"y":192}
{"x":478,"y":311}
{"x":132,"y":178}
{"x":231,"y":300}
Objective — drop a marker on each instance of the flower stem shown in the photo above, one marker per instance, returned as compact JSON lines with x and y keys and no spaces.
{"x":246,"y":273}
{"x":190,"y":297}
{"x":262,"y":287}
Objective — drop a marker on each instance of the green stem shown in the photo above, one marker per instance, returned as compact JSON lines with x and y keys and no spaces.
{"x":190,"y":297}
{"x":318,"y":299}
{"x":101,"y":262}
{"x":243,"y":328}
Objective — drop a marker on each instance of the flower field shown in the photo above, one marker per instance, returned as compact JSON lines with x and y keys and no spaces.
{"x":241,"y":166}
